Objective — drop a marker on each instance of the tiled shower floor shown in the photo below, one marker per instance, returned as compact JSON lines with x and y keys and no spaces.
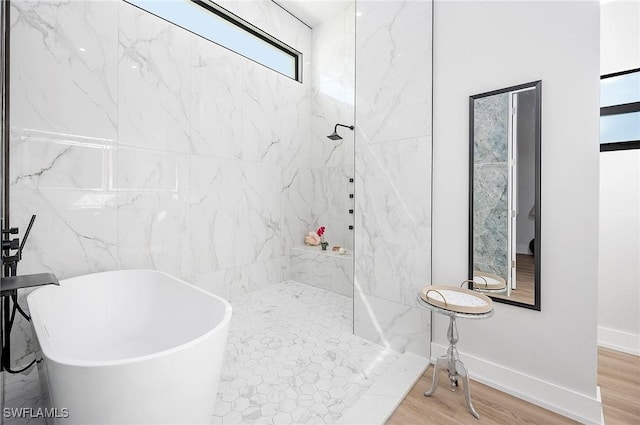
{"x":291,"y":358}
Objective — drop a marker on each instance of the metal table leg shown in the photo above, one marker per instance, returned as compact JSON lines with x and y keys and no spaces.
{"x":455,"y":368}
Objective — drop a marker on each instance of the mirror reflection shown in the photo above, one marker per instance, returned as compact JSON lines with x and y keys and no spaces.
{"x":504,"y":217}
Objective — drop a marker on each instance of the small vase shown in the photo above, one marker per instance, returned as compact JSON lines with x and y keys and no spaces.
{"x":324,"y":245}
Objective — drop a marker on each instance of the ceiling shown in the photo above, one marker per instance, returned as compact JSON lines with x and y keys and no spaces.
{"x":314,"y":12}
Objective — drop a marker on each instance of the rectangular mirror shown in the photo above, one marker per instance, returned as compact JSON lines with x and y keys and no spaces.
{"x":504,"y":194}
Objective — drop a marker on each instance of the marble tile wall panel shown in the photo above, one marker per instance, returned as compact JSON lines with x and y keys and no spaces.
{"x":327,"y":270}
{"x":128,"y":143}
{"x":342,"y":278}
{"x":312,"y":268}
{"x":64,"y":67}
{"x":219,"y":282}
{"x":333,"y":102}
{"x":153,"y":82}
{"x":258,"y":275}
{"x":216,"y":100}
{"x":393,"y":231}
{"x":153,"y":207}
{"x":297,"y":206}
{"x":393,"y":65}
{"x":261,"y":212}
{"x":393,"y":171}
{"x":396,"y":326}
{"x":214,"y":203}
{"x":331,"y":204}
{"x":63,"y":131}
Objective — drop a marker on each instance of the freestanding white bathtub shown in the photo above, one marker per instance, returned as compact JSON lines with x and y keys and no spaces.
{"x":129,"y":347}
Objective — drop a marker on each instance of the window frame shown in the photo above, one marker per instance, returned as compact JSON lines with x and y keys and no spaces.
{"x":623,"y":108}
{"x":209,"y":6}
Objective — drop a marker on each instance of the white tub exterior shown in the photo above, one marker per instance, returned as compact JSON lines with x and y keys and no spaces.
{"x":130,"y":347}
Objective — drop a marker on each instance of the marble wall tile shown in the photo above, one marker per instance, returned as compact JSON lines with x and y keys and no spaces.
{"x":153,"y":206}
{"x":261,"y":212}
{"x":294,"y":123}
{"x":63,"y":67}
{"x":74,"y":232}
{"x":262,"y":135}
{"x":393,"y":218}
{"x":219,"y":282}
{"x":396,"y":326}
{"x":57,"y":161}
{"x":312,"y":268}
{"x":153,"y":82}
{"x":393,"y":171}
{"x":323,"y":269}
{"x":128,"y":135}
{"x":68,"y":183}
{"x":333,"y":90}
{"x":333,"y":102}
{"x":214,"y":221}
{"x":393,"y":44}
{"x":342,"y":277}
{"x":259,"y":275}
{"x":297,"y":206}
{"x":216,"y":100}
{"x":331,"y":204}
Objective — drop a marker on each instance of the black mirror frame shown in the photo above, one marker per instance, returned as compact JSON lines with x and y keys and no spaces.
{"x":538,"y":186}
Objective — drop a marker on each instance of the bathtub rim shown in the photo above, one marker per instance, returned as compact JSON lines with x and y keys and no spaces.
{"x":37,"y":325}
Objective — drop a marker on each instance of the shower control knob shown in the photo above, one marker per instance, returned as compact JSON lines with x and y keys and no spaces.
{"x":11,"y":244}
{"x":11,"y":231}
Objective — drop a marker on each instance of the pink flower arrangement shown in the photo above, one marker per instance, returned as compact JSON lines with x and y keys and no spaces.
{"x":315,"y":238}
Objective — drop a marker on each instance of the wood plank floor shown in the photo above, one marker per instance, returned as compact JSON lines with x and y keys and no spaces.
{"x":525,"y":272}
{"x":618,"y":377}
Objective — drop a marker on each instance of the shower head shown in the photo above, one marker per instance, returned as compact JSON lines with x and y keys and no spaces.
{"x":335,"y":135}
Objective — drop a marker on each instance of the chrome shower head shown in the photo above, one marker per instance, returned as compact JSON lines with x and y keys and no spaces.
{"x":335,"y":135}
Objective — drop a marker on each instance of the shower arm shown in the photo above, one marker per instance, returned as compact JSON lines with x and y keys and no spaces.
{"x":335,"y":129}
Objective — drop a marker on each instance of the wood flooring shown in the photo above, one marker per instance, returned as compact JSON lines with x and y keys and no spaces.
{"x":618,"y":377}
{"x":525,"y":272}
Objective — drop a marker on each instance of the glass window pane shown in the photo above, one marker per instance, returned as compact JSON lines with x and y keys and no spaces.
{"x":620,"y":90}
{"x":620,"y":128}
{"x":200,"y":21}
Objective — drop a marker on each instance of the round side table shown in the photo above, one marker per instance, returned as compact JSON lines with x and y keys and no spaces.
{"x":450,"y":361}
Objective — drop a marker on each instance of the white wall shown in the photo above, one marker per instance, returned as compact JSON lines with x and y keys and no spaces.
{"x":619,"y":287}
{"x":547,"y":357}
{"x":619,"y":36}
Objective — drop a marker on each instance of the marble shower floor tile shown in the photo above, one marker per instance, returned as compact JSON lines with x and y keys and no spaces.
{"x":291,"y":358}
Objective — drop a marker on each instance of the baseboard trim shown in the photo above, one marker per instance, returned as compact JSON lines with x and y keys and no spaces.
{"x":619,"y":340}
{"x":566,"y":402}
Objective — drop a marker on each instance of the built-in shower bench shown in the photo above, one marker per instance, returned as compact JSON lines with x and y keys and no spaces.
{"x":328,"y":269}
